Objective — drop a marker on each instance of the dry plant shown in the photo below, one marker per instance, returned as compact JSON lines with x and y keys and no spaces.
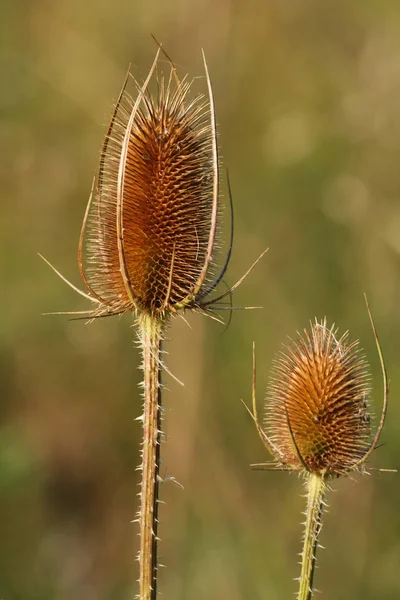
{"x":148,"y":241}
{"x":317,"y":421}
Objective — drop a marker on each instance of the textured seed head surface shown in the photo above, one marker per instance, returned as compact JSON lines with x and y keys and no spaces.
{"x":317,"y":403}
{"x":148,"y":230}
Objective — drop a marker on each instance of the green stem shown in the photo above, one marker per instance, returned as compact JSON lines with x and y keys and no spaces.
{"x":150,"y":333}
{"x":315,"y":497}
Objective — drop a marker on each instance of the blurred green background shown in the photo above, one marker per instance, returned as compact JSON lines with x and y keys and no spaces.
{"x":308,"y":106}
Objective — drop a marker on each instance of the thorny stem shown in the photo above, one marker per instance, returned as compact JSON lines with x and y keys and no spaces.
{"x":150,"y":331}
{"x":315,"y":497}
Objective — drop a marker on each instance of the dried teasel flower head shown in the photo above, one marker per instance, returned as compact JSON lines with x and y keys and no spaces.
{"x":317,"y":402}
{"x":317,"y":406}
{"x":148,"y":236}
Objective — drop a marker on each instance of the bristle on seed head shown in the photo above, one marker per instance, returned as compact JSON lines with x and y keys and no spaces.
{"x":317,"y":416}
{"x":148,"y":236}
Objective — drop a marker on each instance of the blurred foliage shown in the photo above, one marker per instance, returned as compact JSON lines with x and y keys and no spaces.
{"x":307,"y":96}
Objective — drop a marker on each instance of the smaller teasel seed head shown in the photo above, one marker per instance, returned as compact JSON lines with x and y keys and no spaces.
{"x":317,"y":405}
{"x":148,"y":237}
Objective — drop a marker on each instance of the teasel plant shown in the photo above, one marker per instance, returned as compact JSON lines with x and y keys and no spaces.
{"x":149,"y":241}
{"x":317,"y":421}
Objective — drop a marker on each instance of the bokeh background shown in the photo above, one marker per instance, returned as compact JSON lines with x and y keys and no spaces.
{"x":308,"y":106}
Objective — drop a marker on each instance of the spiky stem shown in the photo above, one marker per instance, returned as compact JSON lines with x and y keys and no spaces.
{"x":315,"y":496}
{"x":150,"y":331}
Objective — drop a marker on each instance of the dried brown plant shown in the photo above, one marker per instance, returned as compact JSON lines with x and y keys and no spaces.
{"x":148,"y":243}
{"x":317,"y":420}
{"x":320,"y":386}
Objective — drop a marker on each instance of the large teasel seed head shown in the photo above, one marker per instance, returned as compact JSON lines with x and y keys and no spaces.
{"x":148,"y":236}
{"x":317,"y":415}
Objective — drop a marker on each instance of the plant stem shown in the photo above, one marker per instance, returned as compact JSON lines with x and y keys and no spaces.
{"x":150,"y":333}
{"x":315,"y":497}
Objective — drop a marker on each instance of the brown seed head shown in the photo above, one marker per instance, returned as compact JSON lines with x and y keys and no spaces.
{"x":317,"y":403}
{"x":148,"y":235}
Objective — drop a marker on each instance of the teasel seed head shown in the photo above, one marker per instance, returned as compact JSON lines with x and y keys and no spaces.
{"x":317,"y":414}
{"x":318,"y":418}
{"x":148,"y":236}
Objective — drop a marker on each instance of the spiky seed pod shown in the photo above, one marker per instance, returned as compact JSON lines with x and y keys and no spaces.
{"x":148,"y":235}
{"x":147,"y":245}
{"x":317,"y":403}
{"x":317,"y":421}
